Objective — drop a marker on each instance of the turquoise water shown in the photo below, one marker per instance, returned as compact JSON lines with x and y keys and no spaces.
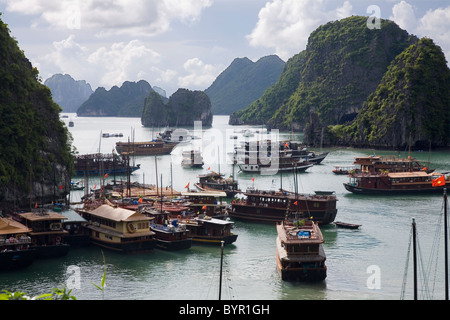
{"x":368,"y":263}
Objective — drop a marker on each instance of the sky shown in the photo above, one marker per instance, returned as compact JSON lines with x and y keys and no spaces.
{"x":187,"y":43}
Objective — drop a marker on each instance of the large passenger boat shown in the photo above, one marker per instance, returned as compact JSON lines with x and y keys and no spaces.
{"x":146,"y":148}
{"x":395,"y":182}
{"x":272,"y":206}
{"x":47,"y":233}
{"x":15,"y":251}
{"x":119,"y":229}
{"x":206,"y":230}
{"x":299,"y":251}
{"x":101,"y":164}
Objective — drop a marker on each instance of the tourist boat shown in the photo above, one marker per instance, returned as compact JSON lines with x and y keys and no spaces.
{"x":272,"y":206}
{"x":118,"y":229}
{"x":101,"y":164}
{"x":394,"y":182}
{"x":175,"y":135}
{"x":299,"y":251}
{"x":261,"y":150}
{"x":282,"y":164}
{"x":206,"y":230}
{"x":146,"y":148}
{"x":376,"y":164}
{"x":47,"y":233}
{"x":209,"y":203}
{"x":171,"y":235}
{"x":192,"y":159}
{"x":15,"y":251}
{"x":214,"y":181}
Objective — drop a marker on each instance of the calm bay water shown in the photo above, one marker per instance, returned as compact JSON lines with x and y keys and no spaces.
{"x":368,"y":263}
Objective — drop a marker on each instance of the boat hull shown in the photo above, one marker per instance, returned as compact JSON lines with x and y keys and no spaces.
{"x":273,"y":215}
{"x":198,"y":239}
{"x":130,"y":247}
{"x":14,"y":260}
{"x":52,"y":251}
{"x":383,"y":191}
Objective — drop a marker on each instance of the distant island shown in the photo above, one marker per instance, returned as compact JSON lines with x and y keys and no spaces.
{"x":68,"y":93}
{"x":126,"y":101}
{"x":360,"y":87}
{"x":243,"y":82}
{"x":183,"y":108}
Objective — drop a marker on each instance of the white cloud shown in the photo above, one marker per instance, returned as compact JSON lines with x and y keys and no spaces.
{"x":112,"y":16}
{"x":286,"y":24}
{"x":404,"y":15}
{"x":105,"y":66}
{"x":434,"y":24}
{"x":199,"y":75}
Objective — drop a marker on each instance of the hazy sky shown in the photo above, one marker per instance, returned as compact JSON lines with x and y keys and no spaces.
{"x":188,"y":43}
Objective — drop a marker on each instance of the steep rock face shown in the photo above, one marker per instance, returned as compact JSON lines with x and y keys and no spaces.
{"x":126,"y":101}
{"x":410,"y":105}
{"x":36,"y":159}
{"x":183,"y":109}
{"x":342,"y":64}
{"x":243,"y":82}
{"x":68,"y":93}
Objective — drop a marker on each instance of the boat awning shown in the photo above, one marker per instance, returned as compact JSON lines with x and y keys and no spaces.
{"x":72,"y":216}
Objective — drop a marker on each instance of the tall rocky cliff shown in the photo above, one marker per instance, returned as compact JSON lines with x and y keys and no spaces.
{"x":243,"y":82}
{"x":67,"y":92}
{"x":410,"y":106}
{"x":36,"y":160}
{"x":183,"y":109}
{"x":342,"y":64}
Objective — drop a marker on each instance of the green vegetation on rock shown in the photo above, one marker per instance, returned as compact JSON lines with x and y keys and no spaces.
{"x":183,"y":109}
{"x":341,"y":65}
{"x":35,"y":146}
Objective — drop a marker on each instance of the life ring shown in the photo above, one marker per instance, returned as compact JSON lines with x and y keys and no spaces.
{"x":178,"y":217}
{"x":58,"y":239}
{"x":130,"y":227}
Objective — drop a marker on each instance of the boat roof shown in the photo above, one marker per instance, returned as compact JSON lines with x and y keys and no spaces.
{"x":118,"y":214}
{"x":72,"y":216}
{"x":10,"y":226}
{"x":413,"y":174}
{"x":40,"y":216}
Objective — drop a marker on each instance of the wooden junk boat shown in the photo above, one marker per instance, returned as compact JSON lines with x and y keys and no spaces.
{"x":15,"y":251}
{"x":101,"y":164}
{"x":192,"y":159}
{"x":170,"y":234}
{"x":119,"y":229}
{"x":394,"y":183}
{"x":299,"y":251}
{"x":146,"y":148}
{"x":206,"y":230}
{"x":47,"y":233}
{"x":272,"y":206}
{"x":214,"y":181}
